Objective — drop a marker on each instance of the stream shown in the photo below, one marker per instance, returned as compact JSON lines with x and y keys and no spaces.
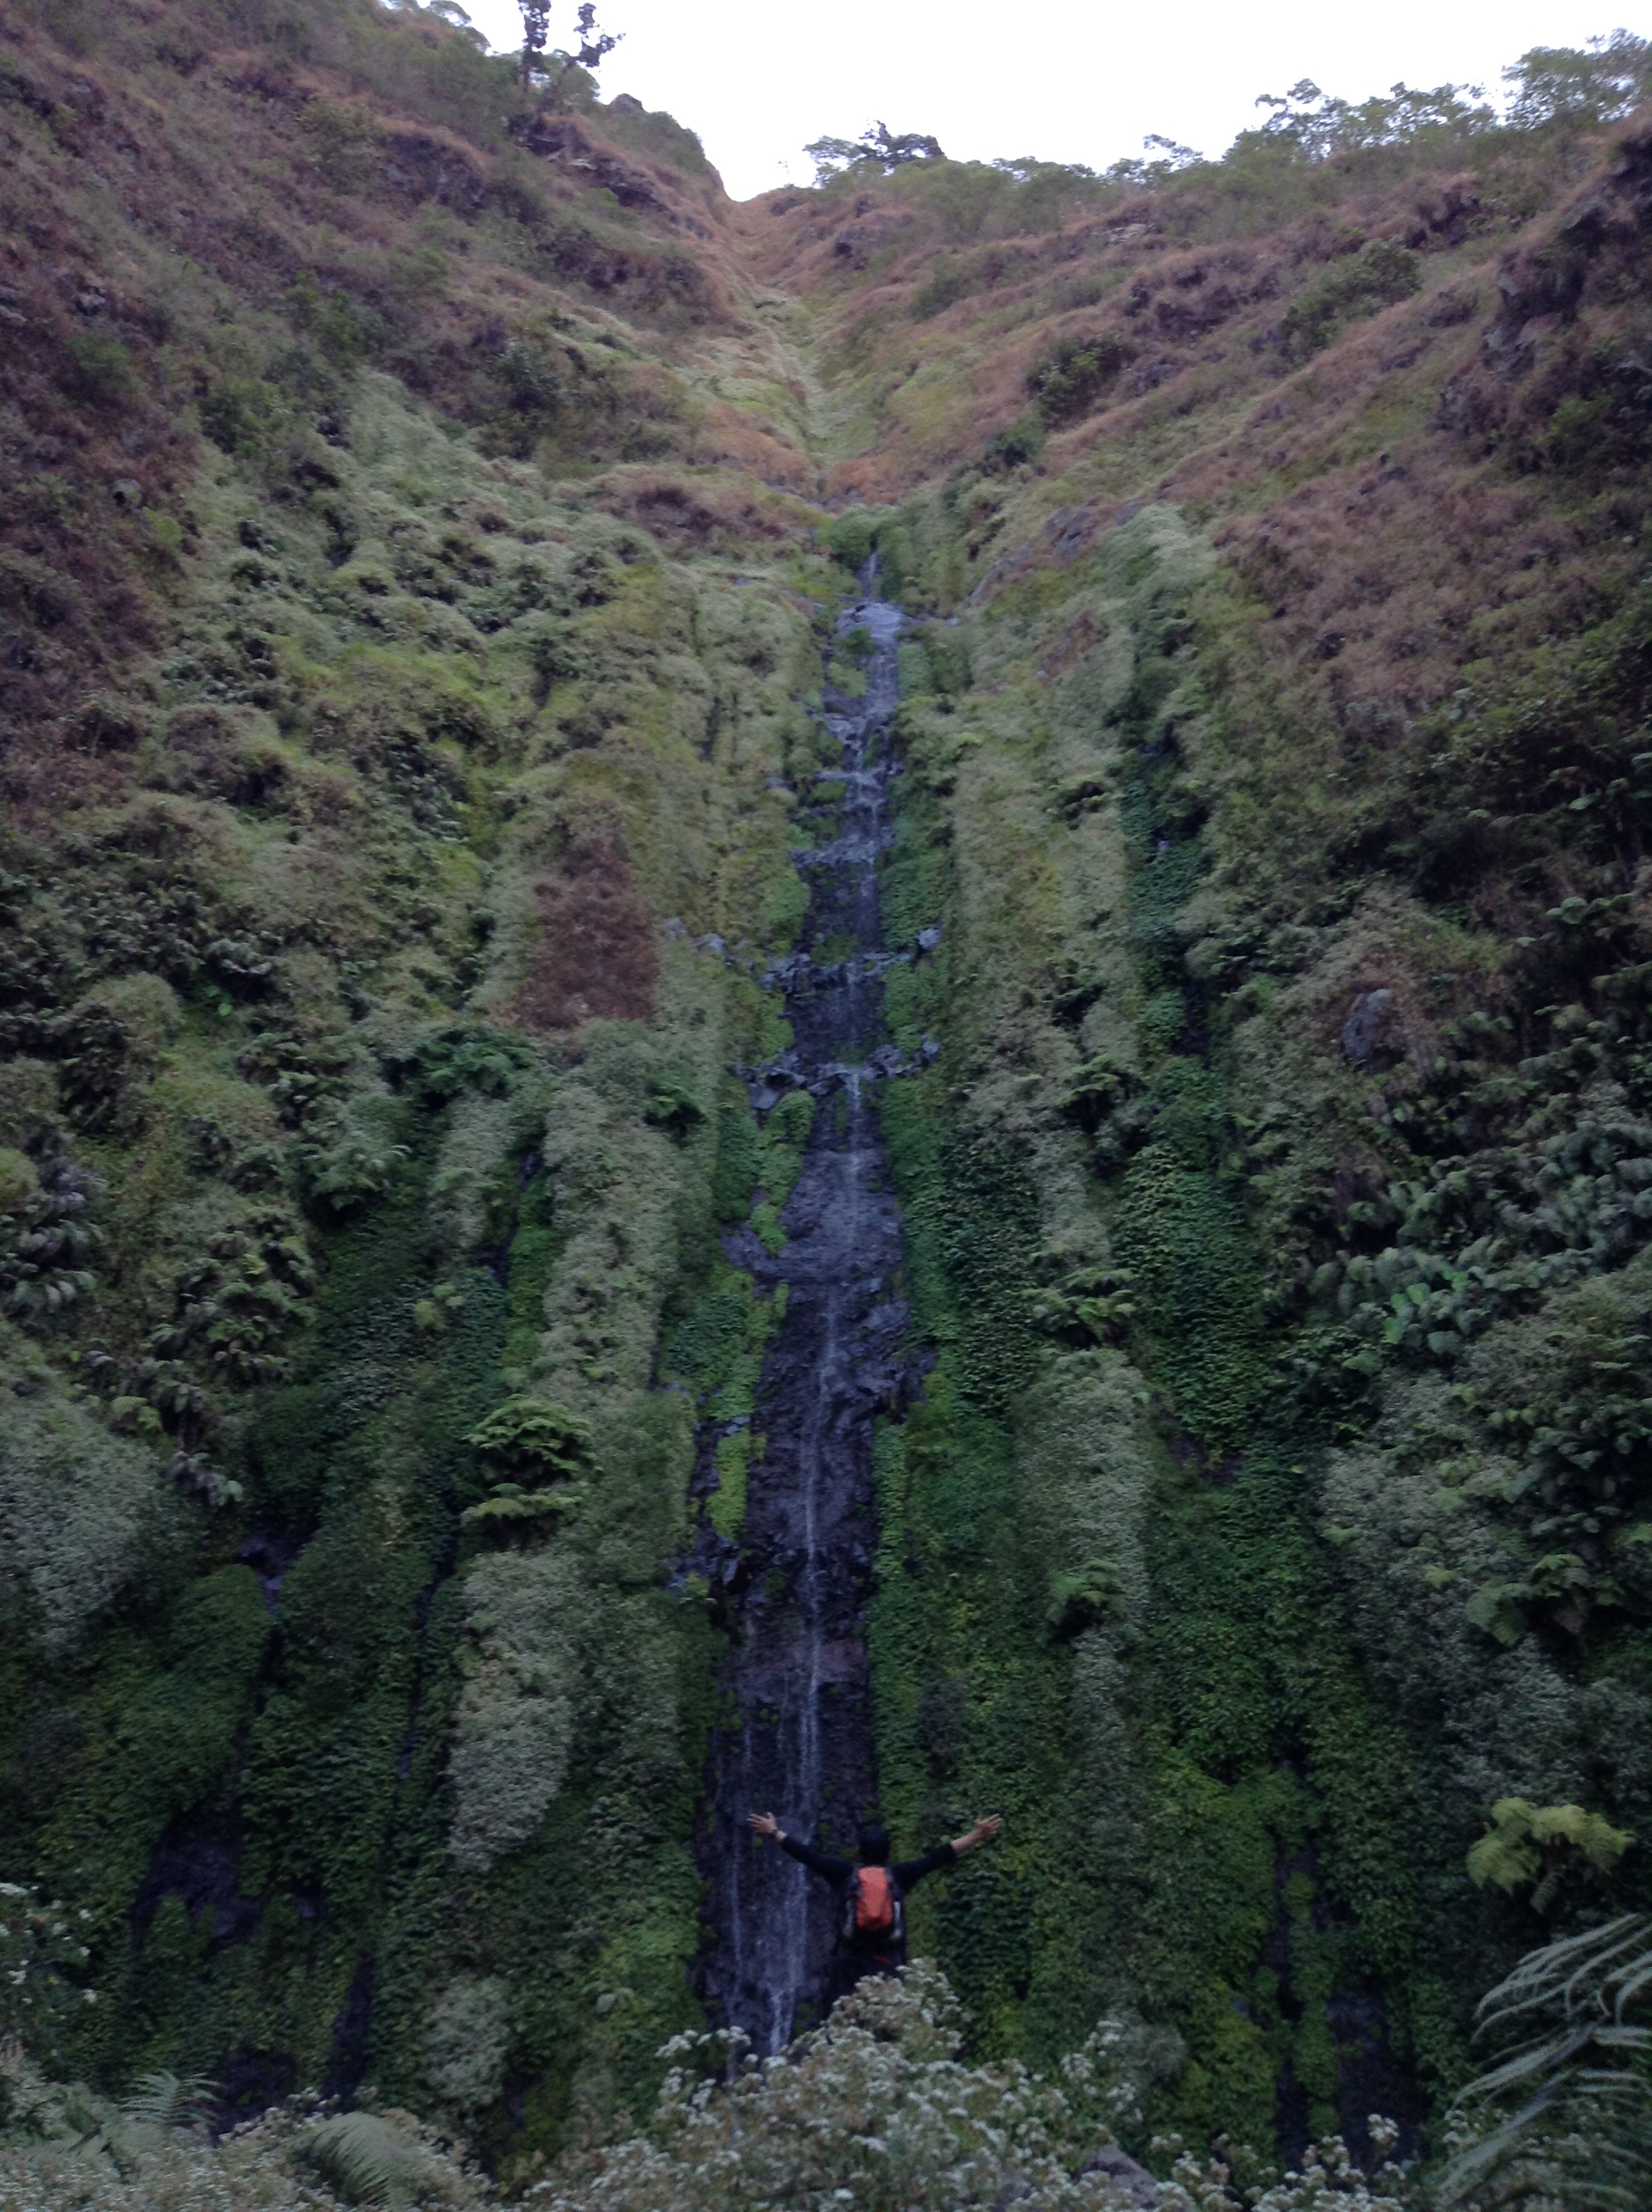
{"x":796,"y":1677}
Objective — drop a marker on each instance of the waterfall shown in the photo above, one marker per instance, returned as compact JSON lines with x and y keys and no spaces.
{"x":796,"y":1675}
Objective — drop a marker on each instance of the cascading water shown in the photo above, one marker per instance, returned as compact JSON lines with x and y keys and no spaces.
{"x":797,"y":1674}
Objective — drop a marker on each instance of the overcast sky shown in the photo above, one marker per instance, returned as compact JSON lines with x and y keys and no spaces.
{"x":1068,"y":81}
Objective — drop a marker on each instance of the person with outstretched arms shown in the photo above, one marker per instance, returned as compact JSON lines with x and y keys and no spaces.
{"x":871,"y":1935}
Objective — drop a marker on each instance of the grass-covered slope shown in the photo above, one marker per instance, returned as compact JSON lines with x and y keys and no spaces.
{"x":381,"y":794}
{"x":1276,"y":1510}
{"x":421,"y":516}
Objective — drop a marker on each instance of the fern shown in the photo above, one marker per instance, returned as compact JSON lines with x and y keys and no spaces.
{"x":364,"y":2158}
{"x":167,"y":2101}
{"x":1538,"y":1843}
{"x":1579,"y":2080}
{"x":531,"y":1435}
{"x":511,"y":1503}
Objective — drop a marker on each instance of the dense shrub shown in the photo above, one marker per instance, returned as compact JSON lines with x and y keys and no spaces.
{"x":1358,"y":285}
{"x":1067,"y":381}
{"x":875,"y":2108}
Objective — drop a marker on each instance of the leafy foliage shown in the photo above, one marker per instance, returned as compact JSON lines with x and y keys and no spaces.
{"x":875,"y":2107}
{"x":1536,"y":1844}
{"x":1067,"y":381}
{"x":878,"y":152}
{"x":44,"y":1239}
{"x":76,"y":2147}
{"x":1579,"y":86}
{"x":1316,"y":126}
{"x":1381,"y":273}
{"x":528,"y":1440}
{"x":530,"y":1436}
{"x":1574,"y":2073}
{"x":44,"y":1955}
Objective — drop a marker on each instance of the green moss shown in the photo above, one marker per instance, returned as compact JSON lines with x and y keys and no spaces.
{"x":726,"y":1511}
{"x":739,"y":1162}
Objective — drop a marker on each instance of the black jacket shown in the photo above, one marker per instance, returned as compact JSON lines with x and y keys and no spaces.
{"x":907,"y":1873}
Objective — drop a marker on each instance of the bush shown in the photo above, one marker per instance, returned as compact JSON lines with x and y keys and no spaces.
{"x":875,"y":2110}
{"x":531,"y":1436}
{"x":1016,"y":444}
{"x":98,"y":368}
{"x":150,"y":2155}
{"x":1349,"y":289}
{"x":42,"y":1959}
{"x":1067,"y":381}
{"x":514,"y":1732}
{"x":75,"y":1506}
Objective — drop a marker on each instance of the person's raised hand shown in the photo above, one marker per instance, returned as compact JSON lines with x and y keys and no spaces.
{"x":762,"y":1824}
{"x":987,"y":1825}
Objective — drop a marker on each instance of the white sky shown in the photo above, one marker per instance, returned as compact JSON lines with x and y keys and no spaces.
{"x":1069,"y":81}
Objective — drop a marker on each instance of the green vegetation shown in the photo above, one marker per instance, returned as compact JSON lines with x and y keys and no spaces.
{"x":416,"y":594}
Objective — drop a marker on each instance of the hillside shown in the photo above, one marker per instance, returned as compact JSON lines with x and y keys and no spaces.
{"x":433,"y":672}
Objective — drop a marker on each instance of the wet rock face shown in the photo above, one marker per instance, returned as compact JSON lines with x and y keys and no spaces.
{"x":797,"y":1675}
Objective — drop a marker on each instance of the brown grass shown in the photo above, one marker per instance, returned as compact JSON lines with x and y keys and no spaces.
{"x":219,"y":160}
{"x":717,"y":512}
{"x":596,"y":958}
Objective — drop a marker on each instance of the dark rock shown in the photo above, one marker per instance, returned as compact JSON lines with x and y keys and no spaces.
{"x":1368,"y":1031}
{"x":427,"y":167}
{"x":561,"y":140}
{"x":1130,"y":2183}
{"x":797,"y":1671}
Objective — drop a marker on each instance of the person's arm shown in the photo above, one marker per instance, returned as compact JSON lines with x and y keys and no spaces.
{"x":913,"y":1870}
{"x":823,"y":1862}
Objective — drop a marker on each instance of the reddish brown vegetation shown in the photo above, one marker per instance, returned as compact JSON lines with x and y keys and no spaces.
{"x":1564,"y":298}
{"x":597,"y":957}
{"x":720,"y":513}
{"x":88,"y":451}
{"x":289,"y":186}
{"x":1445,"y":481}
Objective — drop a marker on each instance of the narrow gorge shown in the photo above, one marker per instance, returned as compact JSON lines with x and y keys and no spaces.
{"x":841,"y":1005}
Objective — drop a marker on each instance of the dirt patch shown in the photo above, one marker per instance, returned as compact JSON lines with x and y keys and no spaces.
{"x":596,"y":957}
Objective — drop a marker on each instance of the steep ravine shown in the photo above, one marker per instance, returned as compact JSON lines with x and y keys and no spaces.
{"x":1166,"y":1410}
{"x":796,"y":1679}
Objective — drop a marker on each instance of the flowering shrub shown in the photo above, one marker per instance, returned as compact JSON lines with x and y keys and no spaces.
{"x":43,"y":1953}
{"x":875,"y":2111}
{"x":1328,"y":2181}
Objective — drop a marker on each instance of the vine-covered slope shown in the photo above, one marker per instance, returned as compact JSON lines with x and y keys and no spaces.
{"x":425,"y":517}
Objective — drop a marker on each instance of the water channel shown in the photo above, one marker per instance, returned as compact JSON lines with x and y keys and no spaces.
{"x":796,"y":1675}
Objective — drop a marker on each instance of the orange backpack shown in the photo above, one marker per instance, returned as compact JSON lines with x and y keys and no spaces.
{"x":873,"y":1914}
